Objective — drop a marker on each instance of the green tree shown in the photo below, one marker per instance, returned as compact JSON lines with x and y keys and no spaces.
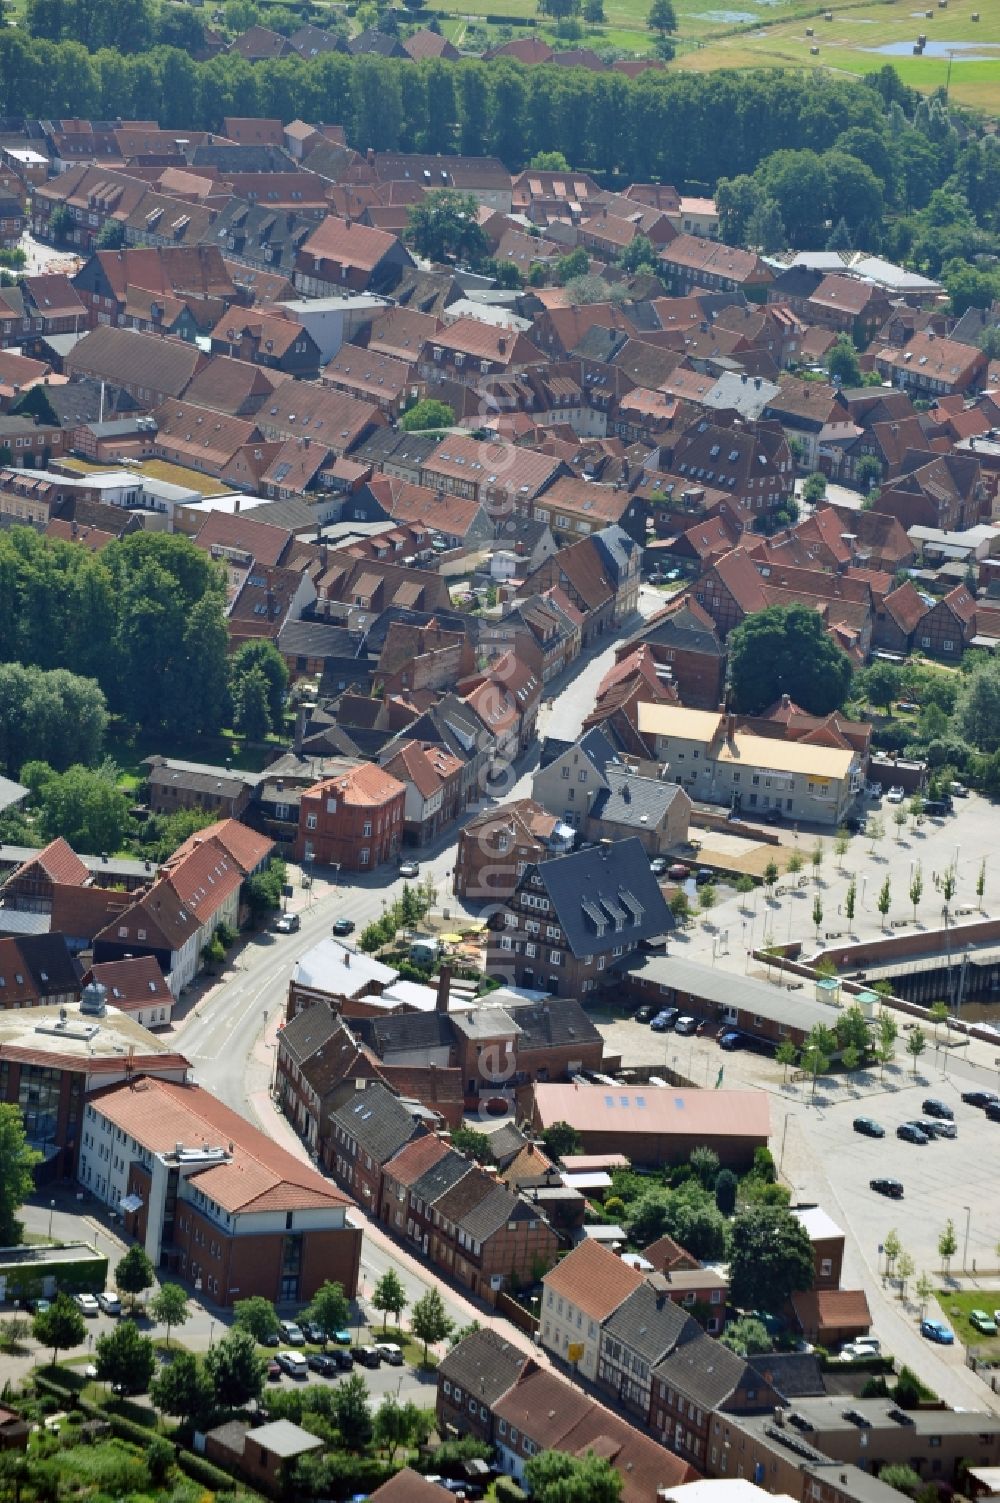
{"x":852,"y":1030}
{"x":842,"y":363}
{"x":794,"y":863}
{"x":916,"y":808}
{"x":868,"y":472}
{"x":183,"y":1388}
{"x":61,"y":1326}
{"x":765,"y":228}
{"x":884,"y":901}
{"x":640,"y":253}
{"x":947,"y":1245}
{"x":924,"y":1290}
{"x":785,"y":650}
{"x":263,"y":657}
{"x":392,"y":1425}
{"x":475,"y":1145}
{"x":662,"y":17}
{"x":892,"y":1247}
{"x":60,"y":223}
{"x":814,"y":487}
{"x":570,"y":267}
{"x":977,"y":712}
{"x":747,"y":1337}
{"x":125,"y":1358}
{"x":256,"y":1315}
{"x":445,"y":223}
{"x":949,"y":884}
{"x":916,"y":1043}
{"x":707,"y":897}
{"x":549,"y":161}
{"x":881,"y":684}
{"x":938,"y":1014}
{"x":786,"y":1054}
{"x":905,"y":1267}
{"x":17,"y":1163}
{"x":353,"y":1414}
{"x":770,"y":1258}
{"x":680,"y":907}
{"x":235,"y":1370}
{"x":916,"y":888}
{"x":429,"y":413}
{"x":726,"y":1186}
{"x":251,"y":715}
{"x":841,"y":841}
{"x":561,"y":1139}
{"x":169,"y":1307}
{"x":593,"y":12}
{"x":558,"y":1477}
{"x":134,"y":1273}
{"x":887,"y":1035}
{"x":903,"y":1478}
{"x":705,"y":1164}
{"x":329,"y":1307}
{"x":429,"y":1321}
{"x":390,"y":1296}
{"x":817,"y":915}
{"x":83,"y":805}
{"x":875,"y":830}
{"x":818,"y":1052}
{"x":770,"y":874}
{"x":981,"y":883}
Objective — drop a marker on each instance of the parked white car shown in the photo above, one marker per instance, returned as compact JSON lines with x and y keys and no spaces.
{"x":87,"y":1304}
{"x":109,"y":1302}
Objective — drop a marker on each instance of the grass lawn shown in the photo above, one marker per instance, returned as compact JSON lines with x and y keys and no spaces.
{"x":956,"y":1307}
{"x":772,"y":33}
{"x":849,"y":43}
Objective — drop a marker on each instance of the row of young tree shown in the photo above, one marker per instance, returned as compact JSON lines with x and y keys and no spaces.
{"x":678,"y":127}
{"x":138,"y":631}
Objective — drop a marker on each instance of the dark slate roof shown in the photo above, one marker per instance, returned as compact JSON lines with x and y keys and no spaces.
{"x":593,"y":743}
{"x":795,"y":1375}
{"x":441,"y":1176}
{"x":494,"y":1211}
{"x":633,"y":800}
{"x":599,"y":344}
{"x":616,"y":548}
{"x":701,"y":1368}
{"x":528,"y":531}
{"x":796,"y":281}
{"x":649,"y":1324}
{"x":385,"y":443}
{"x":483,"y":1364}
{"x":315,"y":639}
{"x":377,"y":1120}
{"x":242,"y":158}
{"x":506,"y":1143}
{"x":554,"y":1023}
{"x":377,"y":42}
{"x":604,"y":886}
{"x":309,"y":1030}
{"x":341,"y":673}
{"x":52,"y":967}
{"x":680,"y":629}
{"x":405,"y":1031}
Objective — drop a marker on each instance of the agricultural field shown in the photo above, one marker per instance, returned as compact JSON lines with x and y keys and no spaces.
{"x":860,"y":38}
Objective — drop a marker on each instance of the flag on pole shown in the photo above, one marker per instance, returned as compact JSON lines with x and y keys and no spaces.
{"x":718,"y":1078}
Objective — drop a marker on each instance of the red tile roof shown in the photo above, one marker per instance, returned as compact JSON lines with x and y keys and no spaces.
{"x":59,"y":862}
{"x":258,"y":1176}
{"x":594,"y":1279}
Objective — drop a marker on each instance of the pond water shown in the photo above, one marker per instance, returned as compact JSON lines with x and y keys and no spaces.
{"x":964,"y":52}
{"x":727,"y":17}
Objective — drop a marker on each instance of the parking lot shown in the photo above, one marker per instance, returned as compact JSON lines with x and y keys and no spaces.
{"x":823,"y":1155}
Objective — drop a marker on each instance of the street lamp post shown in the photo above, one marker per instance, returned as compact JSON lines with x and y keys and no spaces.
{"x":52,"y":1206}
{"x":965,"y":1249}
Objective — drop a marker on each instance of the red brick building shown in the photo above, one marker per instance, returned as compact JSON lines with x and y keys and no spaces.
{"x":214,"y":1200}
{"x":354,"y":820}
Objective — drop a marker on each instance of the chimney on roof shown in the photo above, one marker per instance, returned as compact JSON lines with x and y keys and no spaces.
{"x":444,"y":989}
